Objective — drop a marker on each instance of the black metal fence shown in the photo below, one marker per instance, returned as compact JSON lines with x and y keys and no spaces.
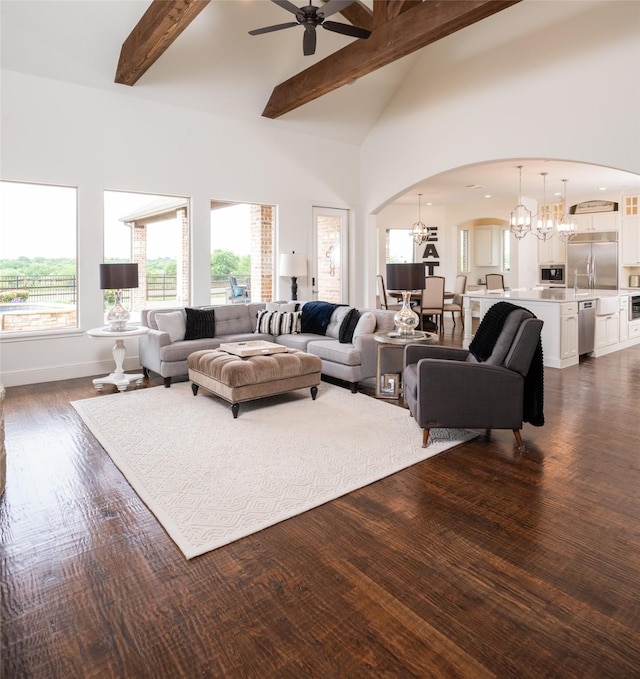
{"x":62,"y":289}
{"x":42,"y":288}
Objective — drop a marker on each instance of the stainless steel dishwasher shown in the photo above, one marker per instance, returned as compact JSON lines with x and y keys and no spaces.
{"x":586,"y":326}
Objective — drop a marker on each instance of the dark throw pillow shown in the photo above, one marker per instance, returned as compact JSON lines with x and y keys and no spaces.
{"x":348,"y":325}
{"x":200,"y":323}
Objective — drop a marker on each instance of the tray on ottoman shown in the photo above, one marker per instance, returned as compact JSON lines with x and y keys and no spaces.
{"x":252,"y":348}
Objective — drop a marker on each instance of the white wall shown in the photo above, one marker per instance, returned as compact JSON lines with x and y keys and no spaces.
{"x":564,"y":86}
{"x":57,"y":133}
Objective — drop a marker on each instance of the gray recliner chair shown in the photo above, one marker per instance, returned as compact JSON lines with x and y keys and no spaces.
{"x":449,"y":387}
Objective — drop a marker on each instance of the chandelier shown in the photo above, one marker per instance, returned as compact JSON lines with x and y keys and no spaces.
{"x":566,"y":227}
{"x":520,"y":222}
{"x":544,"y":226}
{"x":419,"y":229}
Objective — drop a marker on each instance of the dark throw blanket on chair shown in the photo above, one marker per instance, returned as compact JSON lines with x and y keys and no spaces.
{"x":482,"y":346}
{"x":316,"y":316}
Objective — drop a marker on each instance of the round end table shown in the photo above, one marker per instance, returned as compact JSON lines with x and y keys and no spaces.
{"x":118,"y":377}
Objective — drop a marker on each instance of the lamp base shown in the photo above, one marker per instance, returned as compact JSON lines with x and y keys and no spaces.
{"x":406,"y":319}
{"x":294,"y":288}
{"x":118,"y":316}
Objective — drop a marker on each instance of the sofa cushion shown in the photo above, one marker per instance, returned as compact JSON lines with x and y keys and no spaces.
{"x":200,"y":323}
{"x":349,"y":323}
{"x":332,"y":350}
{"x":278,"y":322}
{"x":299,"y":341}
{"x":174,"y":323}
{"x":335,"y":322}
{"x":366,"y":324}
{"x":178,"y":351}
{"x":234,"y":318}
{"x":281,"y":306}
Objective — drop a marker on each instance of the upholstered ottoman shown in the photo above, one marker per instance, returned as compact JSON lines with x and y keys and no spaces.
{"x":237,"y":379}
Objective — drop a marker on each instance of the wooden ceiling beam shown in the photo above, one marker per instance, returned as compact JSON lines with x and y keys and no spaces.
{"x":419,"y":26}
{"x":159,"y":26}
{"x":383,"y":10}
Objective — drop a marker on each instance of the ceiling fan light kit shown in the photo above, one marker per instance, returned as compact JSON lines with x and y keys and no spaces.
{"x":310,"y":17}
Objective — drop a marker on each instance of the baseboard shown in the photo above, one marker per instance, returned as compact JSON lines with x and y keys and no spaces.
{"x":19,"y":378}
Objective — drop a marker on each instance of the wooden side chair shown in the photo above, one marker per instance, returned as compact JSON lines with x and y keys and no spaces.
{"x":433,"y":299}
{"x":456,"y":304}
{"x":495,"y":282}
{"x":382,"y":295}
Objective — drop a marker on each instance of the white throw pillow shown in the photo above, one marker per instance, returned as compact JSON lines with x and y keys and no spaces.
{"x":280,"y":306}
{"x":174,"y":323}
{"x":366,"y":324}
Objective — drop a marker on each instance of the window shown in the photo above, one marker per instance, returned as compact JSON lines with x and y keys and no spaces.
{"x":241,"y":252}
{"x":464,"y":251}
{"x":38,"y":258}
{"x":153,"y":231}
{"x":506,"y":250}
{"x":398,"y":246}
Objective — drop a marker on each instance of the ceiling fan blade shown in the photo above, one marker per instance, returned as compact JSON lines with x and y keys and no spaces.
{"x":289,"y":6}
{"x":309,"y":42}
{"x":268,"y":29}
{"x":333,"y":6}
{"x":346,"y":29}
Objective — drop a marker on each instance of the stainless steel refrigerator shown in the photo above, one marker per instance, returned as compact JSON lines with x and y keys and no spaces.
{"x":594,"y":257}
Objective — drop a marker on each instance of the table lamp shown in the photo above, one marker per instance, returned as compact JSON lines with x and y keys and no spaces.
{"x":405,"y":277}
{"x":118,"y":277}
{"x":293,"y":265}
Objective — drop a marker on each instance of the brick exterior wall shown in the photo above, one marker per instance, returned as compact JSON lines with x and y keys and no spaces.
{"x":139,"y":256}
{"x":329,"y":259}
{"x":182,"y":259}
{"x":261,"y":250}
{"x":38,"y":320}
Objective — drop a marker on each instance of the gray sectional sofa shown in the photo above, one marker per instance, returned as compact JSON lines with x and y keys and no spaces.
{"x":163,"y":350}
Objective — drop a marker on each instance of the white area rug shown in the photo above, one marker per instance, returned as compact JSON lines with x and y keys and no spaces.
{"x":210,"y":479}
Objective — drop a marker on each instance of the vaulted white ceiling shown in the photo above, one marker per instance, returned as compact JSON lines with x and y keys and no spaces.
{"x":215,"y":66}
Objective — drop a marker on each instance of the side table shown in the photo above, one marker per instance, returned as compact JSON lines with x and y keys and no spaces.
{"x":389,"y":360}
{"x":118,"y":377}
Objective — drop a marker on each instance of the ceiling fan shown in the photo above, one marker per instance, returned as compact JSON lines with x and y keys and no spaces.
{"x":310,"y":17}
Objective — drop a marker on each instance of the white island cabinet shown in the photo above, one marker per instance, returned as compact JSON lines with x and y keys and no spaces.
{"x":558,"y":308}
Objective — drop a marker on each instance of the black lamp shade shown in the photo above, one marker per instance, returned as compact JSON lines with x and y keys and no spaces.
{"x":118,"y":276}
{"x":405,"y":276}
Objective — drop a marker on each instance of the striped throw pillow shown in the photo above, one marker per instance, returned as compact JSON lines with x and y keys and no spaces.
{"x":278,"y":322}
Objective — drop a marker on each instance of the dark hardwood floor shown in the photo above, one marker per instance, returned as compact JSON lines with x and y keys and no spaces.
{"x":481,"y":562}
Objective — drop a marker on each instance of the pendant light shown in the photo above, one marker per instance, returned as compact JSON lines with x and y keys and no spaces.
{"x":520,"y":222}
{"x":419,"y":229}
{"x":566,"y":226}
{"x":544,"y":226}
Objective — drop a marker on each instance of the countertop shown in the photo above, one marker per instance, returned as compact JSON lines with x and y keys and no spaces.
{"x":549,"y":295}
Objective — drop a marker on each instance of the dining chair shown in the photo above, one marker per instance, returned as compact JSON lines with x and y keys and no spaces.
{"x":456,"y":304}
{"x":382,"y":294}
{"x":495,"y":281}
{"x":433,"y":299}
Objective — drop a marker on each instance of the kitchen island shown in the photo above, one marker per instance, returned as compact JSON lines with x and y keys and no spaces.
{"x":558,"y":308}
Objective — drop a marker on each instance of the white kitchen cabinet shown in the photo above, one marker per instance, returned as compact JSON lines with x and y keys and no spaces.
{"x":607,"y":330}
{"x":552,"y":251}
{"x":487,"y":245}
{"x":597,"y":221}
{"x":568,"y":330}
{"x":630,"y":246}
{"x":624,"y":318}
